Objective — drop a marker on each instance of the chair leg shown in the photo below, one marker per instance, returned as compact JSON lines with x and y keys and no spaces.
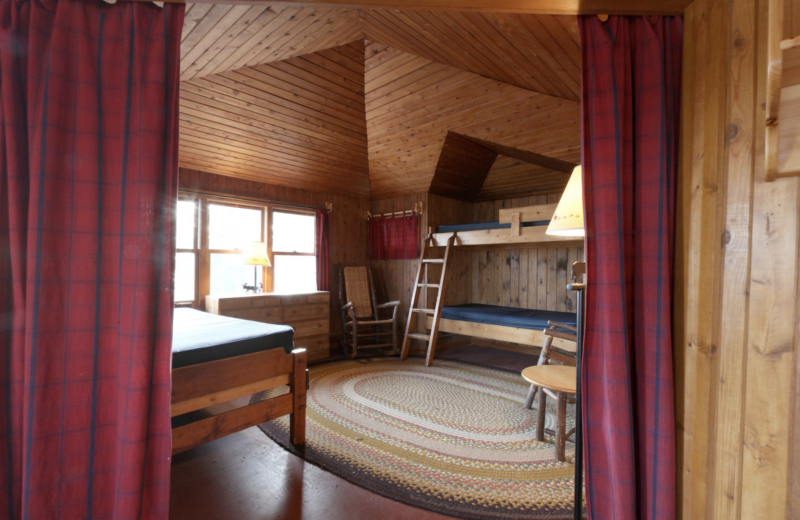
{"x":531,"y":395}
{"x":561,"y":426}
{"x":540,"y":415}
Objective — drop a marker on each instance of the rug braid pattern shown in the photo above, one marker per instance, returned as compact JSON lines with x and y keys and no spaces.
{"x":452,"y":438}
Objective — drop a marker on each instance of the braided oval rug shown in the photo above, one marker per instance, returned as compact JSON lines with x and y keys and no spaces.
{"x":452,"y":438}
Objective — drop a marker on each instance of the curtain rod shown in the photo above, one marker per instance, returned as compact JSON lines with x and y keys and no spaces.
{"x":248,"y":199}
{"x":417,"y":209}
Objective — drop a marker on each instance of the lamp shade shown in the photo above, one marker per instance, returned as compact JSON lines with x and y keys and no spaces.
{"x":568,"y":218}
{"x":256,"y":254}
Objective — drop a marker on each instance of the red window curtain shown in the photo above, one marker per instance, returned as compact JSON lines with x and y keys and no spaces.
{"x":322,"y":250}
{"x":630,"y":109}
{"x":393,"y":238}
{"x":88,"y":187}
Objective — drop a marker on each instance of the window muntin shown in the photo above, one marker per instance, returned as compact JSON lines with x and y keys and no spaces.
{"x":218,"y":224}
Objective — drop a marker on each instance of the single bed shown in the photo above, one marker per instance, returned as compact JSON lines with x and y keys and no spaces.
{"x":510,"y":324}
{"x":217,"y":359}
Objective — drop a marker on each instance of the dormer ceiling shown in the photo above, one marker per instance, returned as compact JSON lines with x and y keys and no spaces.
{"x":361,"y":101}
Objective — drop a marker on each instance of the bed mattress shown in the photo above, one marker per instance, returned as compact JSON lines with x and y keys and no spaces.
{"x":199,"y":337}
{"x":507,"y":316}
{"x":480,"y":226}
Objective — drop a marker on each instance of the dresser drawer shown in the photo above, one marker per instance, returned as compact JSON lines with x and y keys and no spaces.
{"x":294,"y":300}
{"x":234,"y":303}
{"x":314,"y":343}
{"x":266,"y":301}
{"x":304,"y":329}
{"x":303,"y":312}
{"x":319,"y":298}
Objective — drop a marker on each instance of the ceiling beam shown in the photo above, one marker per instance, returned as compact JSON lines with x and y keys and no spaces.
{"x":566,"y":7}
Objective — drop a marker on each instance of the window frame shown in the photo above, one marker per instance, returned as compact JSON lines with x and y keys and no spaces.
{"x":195,"y":250}
{"x":271,"y":253}
{"x":201,"y":239}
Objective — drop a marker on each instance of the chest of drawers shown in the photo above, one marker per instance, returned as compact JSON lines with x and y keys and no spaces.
{"x":307,"y":313}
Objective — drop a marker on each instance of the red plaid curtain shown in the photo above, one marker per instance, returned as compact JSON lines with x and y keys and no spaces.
{"x":393,"y":238}
{"x":630,"y":108}
{"x":322,"y":250}
{"x":88,"y":187}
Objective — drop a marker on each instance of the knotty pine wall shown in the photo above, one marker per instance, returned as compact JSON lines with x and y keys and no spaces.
{"x":528,"y":278}
{"x":737,"y":371}
{"x":347,"y":221}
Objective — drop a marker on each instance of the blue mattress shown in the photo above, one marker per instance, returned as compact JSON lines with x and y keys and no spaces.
{"x":486,"y":225}
{"x":200,"y":337}
{"x":507,"y":316}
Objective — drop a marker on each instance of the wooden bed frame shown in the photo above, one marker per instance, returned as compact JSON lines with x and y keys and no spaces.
{"x":199,"y":386}
{"x":506,"y":333}
{"x":517,"y":236}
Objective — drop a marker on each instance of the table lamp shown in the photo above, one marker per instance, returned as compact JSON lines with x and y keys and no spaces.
{"x":568,"y":221}
{"x":255,"y":254}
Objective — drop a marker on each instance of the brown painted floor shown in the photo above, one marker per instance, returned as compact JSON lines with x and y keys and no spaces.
{"x":246,"y":476}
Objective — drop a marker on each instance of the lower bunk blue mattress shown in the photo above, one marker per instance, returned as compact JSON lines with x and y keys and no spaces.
{"x":480,"y":226}
{"x":507,"y":316}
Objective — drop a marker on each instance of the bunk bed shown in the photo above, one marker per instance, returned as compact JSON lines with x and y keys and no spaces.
{"x":517,"y":227}
{"x":216,"y":359}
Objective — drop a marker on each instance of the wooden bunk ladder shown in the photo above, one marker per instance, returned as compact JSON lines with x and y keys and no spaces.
{"x":422,"y":282}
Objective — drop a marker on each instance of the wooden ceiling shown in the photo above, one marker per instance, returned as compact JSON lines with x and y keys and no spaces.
{"x":413,"y":102}
{"x":297,"y":122}
{"x":540,"y":53}
{"x":287,"y":95}
{"x":218,"y":38}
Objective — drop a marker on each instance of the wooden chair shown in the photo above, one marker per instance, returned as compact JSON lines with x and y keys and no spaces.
{"x":557,"y":381}
{"x":565,"y":354}
{"x":360,"y":316}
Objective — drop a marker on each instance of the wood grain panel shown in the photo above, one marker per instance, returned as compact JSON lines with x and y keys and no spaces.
{"x":462,"y":168}
{"x":510,"y":177}
{"x":536,"y":52}
{"x":220,"y":38}
{"x":298,"y":122}
{"x":411,"y":104}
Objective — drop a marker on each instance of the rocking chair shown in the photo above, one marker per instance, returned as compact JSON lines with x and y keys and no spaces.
{"x":361,"y":323}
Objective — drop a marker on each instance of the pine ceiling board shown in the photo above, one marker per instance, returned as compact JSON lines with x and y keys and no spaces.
{"x":406,"y":141}
{"x":298,"y":122}
{"x":462,"y":168}
{"x":219,"y":38}
{"x":511,"y":177}
{"x":536,"y":52}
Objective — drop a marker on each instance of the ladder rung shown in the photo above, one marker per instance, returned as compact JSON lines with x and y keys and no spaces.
{"x":422,"y":337}
{"x":426,"y":311}
{"x":429,"y":285}
{"x":433,"y":260}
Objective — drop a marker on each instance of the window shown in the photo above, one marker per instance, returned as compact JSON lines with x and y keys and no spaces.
{"x":212,"y":233}
{"x":186,"y":252}
{"x":230,"y":230}
{"x":295,"y":266}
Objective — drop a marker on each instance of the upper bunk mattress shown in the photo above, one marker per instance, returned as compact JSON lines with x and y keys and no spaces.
{"x":199,"y":337}
{"x":507,"y":316}
{"x":480,"y":226}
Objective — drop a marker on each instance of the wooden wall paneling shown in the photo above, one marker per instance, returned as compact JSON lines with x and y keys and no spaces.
{"x":348,"y":238}
{"x":737,"y":288}
{"x":773,"y":311}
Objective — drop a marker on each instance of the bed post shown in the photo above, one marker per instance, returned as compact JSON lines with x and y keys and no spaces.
{"x":297,"y":386}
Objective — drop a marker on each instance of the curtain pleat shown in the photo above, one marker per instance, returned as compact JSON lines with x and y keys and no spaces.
{"x":631,"y":68}
{"x":393,"y":238}
{"x":322,"y":237}
{"x":88,"y":187}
